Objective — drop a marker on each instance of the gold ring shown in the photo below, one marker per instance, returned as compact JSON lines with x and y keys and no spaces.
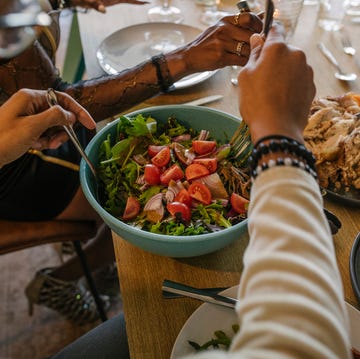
{"x":236,"y":19}
{"x":239,"y":47}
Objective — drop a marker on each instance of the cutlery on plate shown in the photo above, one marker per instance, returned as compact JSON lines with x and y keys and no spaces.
{"x":171,"y":295}
{"x":197,"y":293}
{"x":204,"y":100}
{"x":340,"y":74}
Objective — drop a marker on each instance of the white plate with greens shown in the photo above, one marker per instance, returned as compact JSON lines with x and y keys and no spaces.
{"x":208,"y":318}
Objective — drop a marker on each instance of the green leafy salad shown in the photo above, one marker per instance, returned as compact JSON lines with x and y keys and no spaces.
{"x":220,"y":340}
{"x":168,"y":179}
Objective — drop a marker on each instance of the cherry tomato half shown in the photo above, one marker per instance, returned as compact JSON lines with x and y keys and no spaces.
{"x":162,"y":158}
{"x":152,"y":174}
{"x":174,"y":172}
{"x":239,"y":203}
{"x":203,"y":147}
{"x":183,"y":197}
{"x":209,"y":163}
{"x":200,"y":192}
{"x":178,"y":209}
{"x":153,"y":150}
{"x":195,"y":170}
{"x":132,"y":208}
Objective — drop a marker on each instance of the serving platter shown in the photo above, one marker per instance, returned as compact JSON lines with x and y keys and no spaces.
{"x":355,"y":267}
{"x":350,"y":197}
{"x":132,"y":45}
{"x":208,"y":318}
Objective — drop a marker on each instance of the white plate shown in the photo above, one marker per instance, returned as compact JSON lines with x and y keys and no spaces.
{"x":208,"y":318}
{"x":132,"y":45}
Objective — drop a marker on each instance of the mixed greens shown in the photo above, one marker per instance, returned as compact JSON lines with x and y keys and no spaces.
{"x":169,"y":179}
{"x":220,"y":340}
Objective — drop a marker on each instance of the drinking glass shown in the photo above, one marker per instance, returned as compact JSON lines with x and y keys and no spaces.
{"x":165,"y":13}
{"x":286,"y":12}
{"x":331,"y":14}
{"x":352,"y":7}
{"x":211,"y":13}
{"x":19,"y":26}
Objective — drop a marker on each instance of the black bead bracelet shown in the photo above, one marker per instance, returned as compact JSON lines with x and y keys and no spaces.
{"x":296,"y":155}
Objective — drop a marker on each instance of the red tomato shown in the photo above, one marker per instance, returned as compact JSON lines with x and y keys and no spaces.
{"x":154,"y":150}
{"x":203,"y":147}
{"x":172,"y":173}
{"x":152,"y":174}
{"x":209,"y":163}
{"x":239,"y":203}
{"x":200,"y":192}
{"x":183,"y":197}
{"x":162,"y":158}
{"x":178,"y":209}
{"x":195,"y":170}
{"x":132,"y":208}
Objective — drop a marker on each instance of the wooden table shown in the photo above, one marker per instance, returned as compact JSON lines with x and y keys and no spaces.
{"x":153,"y":323}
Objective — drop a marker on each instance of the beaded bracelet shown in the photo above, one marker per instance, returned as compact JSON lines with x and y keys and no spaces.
{"x":296,"y":155}
{"x":165,"y":80}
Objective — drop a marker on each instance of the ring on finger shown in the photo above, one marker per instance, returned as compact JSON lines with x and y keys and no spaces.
{"x":239,"y":47}
{"x":236,"y":18}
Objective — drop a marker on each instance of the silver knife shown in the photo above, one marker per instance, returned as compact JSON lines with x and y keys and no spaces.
{"x":200,"y":294}
{"x":204,"y":100}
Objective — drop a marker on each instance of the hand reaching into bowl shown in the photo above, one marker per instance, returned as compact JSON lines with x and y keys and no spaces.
{"x":285,"y":79}
{"x":28,"y":122}
{"x":224,"y":44}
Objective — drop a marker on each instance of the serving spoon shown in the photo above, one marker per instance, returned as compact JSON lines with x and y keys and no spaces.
{"x":340,"y":74}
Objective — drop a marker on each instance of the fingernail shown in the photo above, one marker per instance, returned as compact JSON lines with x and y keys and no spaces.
{"x":101,"y":8}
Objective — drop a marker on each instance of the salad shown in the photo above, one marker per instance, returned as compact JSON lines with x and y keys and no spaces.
{"x":169,"y":179}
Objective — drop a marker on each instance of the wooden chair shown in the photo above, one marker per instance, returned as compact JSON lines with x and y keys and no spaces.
{"x":15,"y":235}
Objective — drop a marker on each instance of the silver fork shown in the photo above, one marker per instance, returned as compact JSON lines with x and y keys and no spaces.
{"x":346,"y":44}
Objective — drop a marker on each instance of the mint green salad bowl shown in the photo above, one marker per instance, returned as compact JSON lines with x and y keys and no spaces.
{"x":221,"y":126}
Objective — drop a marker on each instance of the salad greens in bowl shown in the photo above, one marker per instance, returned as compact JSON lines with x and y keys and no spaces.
{"x":167,"y":180}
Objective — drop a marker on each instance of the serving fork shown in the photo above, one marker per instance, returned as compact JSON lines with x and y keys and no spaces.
{"x":52,"y":101}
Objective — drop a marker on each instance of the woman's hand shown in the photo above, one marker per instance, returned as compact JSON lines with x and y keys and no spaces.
{"x":26,"y":121}
{"x":276,"y":88}
{"x":100,"y":5}
{"x":224,"y":44}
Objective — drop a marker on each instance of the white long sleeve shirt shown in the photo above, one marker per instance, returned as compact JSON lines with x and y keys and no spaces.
{"x":291,"y":296}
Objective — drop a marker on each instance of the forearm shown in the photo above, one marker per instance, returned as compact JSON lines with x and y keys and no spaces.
{"x":109,"y":95}
{"x":290,"y":281}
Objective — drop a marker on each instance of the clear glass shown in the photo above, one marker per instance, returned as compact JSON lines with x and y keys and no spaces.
{"x":18,"y":22}
{"x":311,"y":2}
{"x":287,"y":12}
{"x":331,"y":14}
{"x":352,"y":7}
{"x":211,"y":13}
{"x":165,"y":13}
